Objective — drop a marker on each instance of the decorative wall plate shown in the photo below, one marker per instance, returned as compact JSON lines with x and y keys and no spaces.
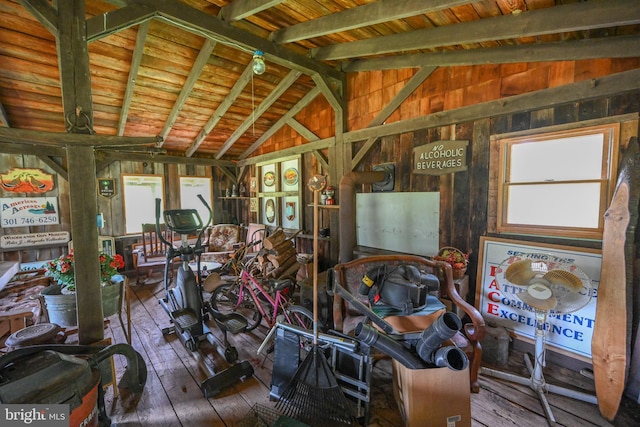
{"x":291,"y":176}
{"x":270,"y":211}
{"x":269,"y":179}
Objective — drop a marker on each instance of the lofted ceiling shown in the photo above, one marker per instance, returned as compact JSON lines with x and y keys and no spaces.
{"x":181,"y":70}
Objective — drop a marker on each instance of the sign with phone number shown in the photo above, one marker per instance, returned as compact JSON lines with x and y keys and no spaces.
{"x":29,"y":211}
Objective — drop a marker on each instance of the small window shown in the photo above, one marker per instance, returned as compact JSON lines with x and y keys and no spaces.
{"x":140,"y":193}
{"x":557,"y":184}
{"x":190,"y":188}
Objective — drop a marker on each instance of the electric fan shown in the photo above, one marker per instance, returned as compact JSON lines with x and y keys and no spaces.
{"x":546,"y":285}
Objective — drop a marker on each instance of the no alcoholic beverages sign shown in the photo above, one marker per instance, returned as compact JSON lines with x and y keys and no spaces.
{"x":440,"y":157}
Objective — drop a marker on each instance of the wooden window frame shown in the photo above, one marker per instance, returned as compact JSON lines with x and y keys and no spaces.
{"x":123,"y":176}
{"x":607,"y":179}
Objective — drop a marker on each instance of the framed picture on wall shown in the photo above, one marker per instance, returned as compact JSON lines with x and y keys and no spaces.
{"x":290,"y":212}
{"x":253,"y":204}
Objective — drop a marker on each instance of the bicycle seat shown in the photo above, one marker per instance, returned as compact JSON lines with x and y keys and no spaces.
{"x":280,"y":284}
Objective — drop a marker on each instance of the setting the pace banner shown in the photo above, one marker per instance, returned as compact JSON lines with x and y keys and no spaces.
{"x":571,"y":332}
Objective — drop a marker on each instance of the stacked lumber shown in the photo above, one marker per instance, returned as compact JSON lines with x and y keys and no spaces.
{"x":278,"y":257}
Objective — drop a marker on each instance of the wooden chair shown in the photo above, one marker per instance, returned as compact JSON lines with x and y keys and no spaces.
{"x":151,"y":255}
{"x":349,"y":276}
{"x":255,"y":232}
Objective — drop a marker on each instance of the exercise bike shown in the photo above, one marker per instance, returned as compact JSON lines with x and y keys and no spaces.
{"x":185,"y":305}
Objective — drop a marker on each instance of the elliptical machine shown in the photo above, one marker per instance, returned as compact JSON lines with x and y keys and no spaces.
{"x":185,"y":305}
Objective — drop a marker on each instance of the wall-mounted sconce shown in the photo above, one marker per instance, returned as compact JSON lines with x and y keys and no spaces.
{"x":258,"y":63}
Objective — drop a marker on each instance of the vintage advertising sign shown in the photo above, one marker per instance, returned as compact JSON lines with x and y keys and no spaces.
{"x":570,"y":332}
{"x":20,"y":180}
{"x":11,"y":241}
{"x":440,"y":157}
{"x":106,"y":187}
{"x":29,"y":211}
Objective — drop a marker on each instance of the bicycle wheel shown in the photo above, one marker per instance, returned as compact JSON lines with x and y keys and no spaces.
{"x":225,"y":299}
{"x":302,"y":317}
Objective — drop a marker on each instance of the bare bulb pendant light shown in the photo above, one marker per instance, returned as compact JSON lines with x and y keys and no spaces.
{"x":258,"y":62}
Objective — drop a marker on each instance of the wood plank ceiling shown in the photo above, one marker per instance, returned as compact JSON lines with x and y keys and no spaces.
{"x":182,"y":70}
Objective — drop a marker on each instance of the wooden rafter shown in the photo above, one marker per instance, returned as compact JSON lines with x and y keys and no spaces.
{"x":240,"y":9}
{"x":284,"y":84}
{"x":310,"y":96}
{"x":194,"y":20}
{"x":44,"y":12}
{"x":117,"y":20}
{"x":136,"y":58}
{"x":388,"y":110}
{"x":358,"y":17}
{"x":233,"y":94}
{"x":194,"y":74}
{"x":571,"y":50}
{"x":564,"y":18}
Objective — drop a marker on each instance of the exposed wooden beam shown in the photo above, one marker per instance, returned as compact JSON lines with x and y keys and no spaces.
{"x":594,"y":88}
{"x":229,"y":172}
{"x":159,"y":158}
{"x":193,"y":20}
{"x":240,"y":9}
{"x":330,"y":92}
{"x":136,"y":58}
{"x":360,"y":16}
{"x":302,"y":130}
{"x":75,"y":77}
{"x":60,"y":139}
{"x":44,"y":13}
{"x":30,"y":149}
{"x":570,"y":50}
{"x":117,"y":20}
{"x":231,"y":97}
{"x":276,"y":93}
{"x":194,"y":74}
{"x":75,"y":73}
{"x":293,"y":151}
{"x":320,"y":158}
{"x":388,"y":110}
{"x":558,"y":19}
{"x":310,"y":96}
{"x":56,"y":166}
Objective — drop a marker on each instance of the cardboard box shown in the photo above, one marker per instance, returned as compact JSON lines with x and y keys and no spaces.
{"x":432,"y":397}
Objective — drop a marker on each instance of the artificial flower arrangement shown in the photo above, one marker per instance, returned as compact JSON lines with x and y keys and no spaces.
{"x":61,"y":269}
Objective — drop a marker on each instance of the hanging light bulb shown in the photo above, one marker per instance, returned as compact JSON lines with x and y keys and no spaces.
{"x":258,"y":62}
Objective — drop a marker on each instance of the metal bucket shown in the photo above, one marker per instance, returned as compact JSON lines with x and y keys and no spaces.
{"x":495,"y":345}
{"x":111,"y":298}
{"x":60,"y":308}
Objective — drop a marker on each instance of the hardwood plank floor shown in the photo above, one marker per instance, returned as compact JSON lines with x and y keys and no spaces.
{"x":172,"y":396}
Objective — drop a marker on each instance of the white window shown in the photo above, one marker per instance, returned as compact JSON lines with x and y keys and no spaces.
{"x":557,"y":184}
{"x":190,"y":188}
{"x":140,"y":193}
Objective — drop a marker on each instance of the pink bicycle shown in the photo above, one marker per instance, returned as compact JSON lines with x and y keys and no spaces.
{"x":257,"y":298}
